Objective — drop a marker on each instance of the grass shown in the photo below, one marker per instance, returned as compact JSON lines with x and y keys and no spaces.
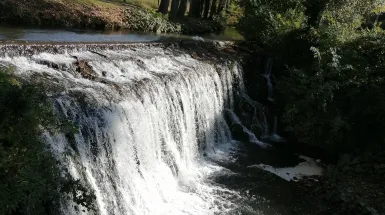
{"x":99,"y":3}
{"x":150,"y":4}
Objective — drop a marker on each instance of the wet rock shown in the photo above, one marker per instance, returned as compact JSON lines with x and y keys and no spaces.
{"x":53,"y":65}
{"x":85,"y":70}
{"x":238,"y":133}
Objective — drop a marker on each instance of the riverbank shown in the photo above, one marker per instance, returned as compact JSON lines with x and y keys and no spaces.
{"x":98,"y":14}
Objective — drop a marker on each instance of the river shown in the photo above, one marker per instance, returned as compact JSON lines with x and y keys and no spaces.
{"x":82,"y":36}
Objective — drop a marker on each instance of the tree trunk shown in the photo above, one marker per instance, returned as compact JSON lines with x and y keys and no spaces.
{"x":213,"y":9}
{"x":221,"y":5}
{"x":207,"y":7}
{"x":192,"y":7}
{"x":174,"y":7}
{"x":163,"y":7}
{"x":182,"y":8}
{"x":195,"y":10}
{"x":201,"y":6}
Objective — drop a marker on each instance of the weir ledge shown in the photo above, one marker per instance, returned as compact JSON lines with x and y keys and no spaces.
{"x":204,"y":50}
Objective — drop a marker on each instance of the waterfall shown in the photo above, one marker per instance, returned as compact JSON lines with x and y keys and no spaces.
{"x":267,"y":74}
{"x":272,"y":136}
{"x":145,"y":117}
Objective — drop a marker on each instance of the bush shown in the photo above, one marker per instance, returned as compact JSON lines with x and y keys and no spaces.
{"x":268,"y":21}
{"x":330,"y":88}
{"x":338,"y":103}
{"x":31,"y":179}
{"x":327,"y":68}
{"x":232,"y":14}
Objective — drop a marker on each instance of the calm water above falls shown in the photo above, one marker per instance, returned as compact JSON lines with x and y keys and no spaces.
{"x":79,"y":36}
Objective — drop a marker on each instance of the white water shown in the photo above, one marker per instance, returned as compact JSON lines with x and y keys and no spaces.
{"x":309,"y":167}
{"x":274,"y":136}
{"x":143,"y":126}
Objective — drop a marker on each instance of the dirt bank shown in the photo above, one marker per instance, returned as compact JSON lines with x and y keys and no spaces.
{"x":96,"y":14}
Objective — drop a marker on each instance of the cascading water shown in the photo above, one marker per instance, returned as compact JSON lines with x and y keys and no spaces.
{"x":267,"y":74}
{"x":273,"y":136}
{"x":146,"y":117}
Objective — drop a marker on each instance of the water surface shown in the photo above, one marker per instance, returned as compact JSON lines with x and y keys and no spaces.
{"x":82,"y":36}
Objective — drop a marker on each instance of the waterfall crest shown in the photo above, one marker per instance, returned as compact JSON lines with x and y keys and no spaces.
{"x":146,"y":116}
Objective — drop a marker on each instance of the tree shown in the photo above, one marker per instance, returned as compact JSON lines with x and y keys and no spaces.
{"x":182,"y":8}
{"x":195,"y":8}
{"x":213,"y":9}
{"x":163,"y":7}
{"x":221,"y":6}
{"x":206,"y":8}
{"x":174,"y":7}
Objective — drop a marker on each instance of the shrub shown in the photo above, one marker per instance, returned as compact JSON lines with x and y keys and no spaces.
{"x":328,"y":68}
{"x":338,"y":104}
{"x":268,"y":21}
{"x":31,"y":179}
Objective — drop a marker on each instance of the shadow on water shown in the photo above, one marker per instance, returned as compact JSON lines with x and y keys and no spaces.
{"x":264,"y":192}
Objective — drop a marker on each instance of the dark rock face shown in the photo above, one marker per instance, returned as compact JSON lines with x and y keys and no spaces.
{"x":238,"y":133}
{"x":254,"y":81}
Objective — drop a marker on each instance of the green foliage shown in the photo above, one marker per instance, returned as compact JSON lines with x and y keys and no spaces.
{"x":337,"y":102}
{"x":268,"y":21}
{"x":329,"y":70}
{"x":31,"y":180}
{"x":200,"y":26}
{"x":330,"y":88}
{"x":145,"y":20}
{"x":333,"y":100}
{"x":341,"y":19}
{"x":151,"y":21}
{"x":232,"y":14}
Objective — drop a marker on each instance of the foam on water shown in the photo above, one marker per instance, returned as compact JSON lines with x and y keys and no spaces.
{"x":144,"y":125}
{"x":309,"y":167}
